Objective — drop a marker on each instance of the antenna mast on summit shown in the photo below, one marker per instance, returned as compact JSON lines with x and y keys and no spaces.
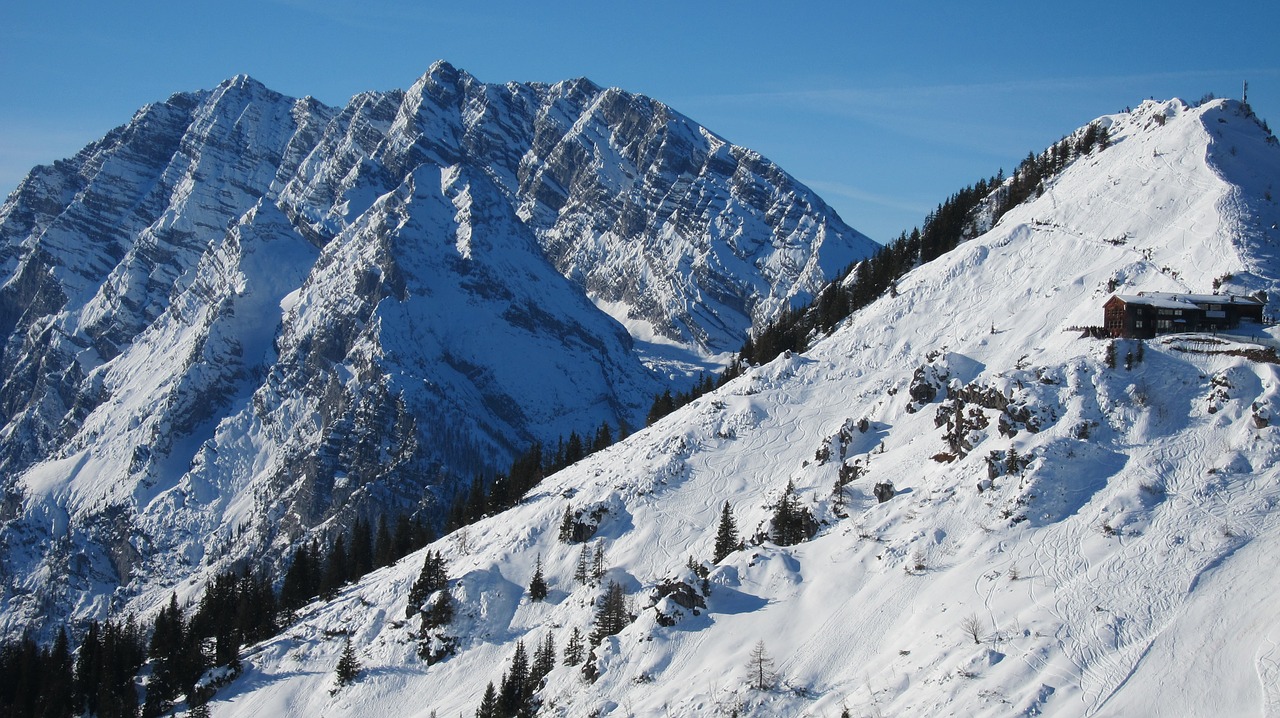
{"x":1244,"y":99}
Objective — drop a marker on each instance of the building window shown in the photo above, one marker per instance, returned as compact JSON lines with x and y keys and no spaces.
{"x":1137,"y":324}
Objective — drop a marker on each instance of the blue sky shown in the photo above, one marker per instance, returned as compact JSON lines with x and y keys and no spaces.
{"x":884,"y":109}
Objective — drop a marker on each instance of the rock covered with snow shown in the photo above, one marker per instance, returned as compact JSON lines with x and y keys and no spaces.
{"x":243,"y":316}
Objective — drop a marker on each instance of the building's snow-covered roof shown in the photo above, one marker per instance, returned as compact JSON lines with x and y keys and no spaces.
{"x":1171,"y":300}
{"x":1158,"y":302}
{"x":1201,"y":298}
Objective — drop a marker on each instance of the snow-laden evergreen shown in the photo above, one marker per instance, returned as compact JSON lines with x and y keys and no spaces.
{"x":1097,"y":538}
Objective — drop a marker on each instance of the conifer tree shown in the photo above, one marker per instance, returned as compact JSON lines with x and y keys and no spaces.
{"x":301,"y":581}
{"x":760,"y":668}
{"x":791,"y":521}
{"x":573,"y":449}
{"x":167,"y":653}
{"x":489,"y":703}
{"x":440,"y":613}
{"x":538,"y":584}
{"x":662,"y":405}
{"x":727,"y":535}
{"x":336,"y":569}
{"x":597,"y":562}
{"x":1012,"y":462}
{"x":603,"y":438}
{"x":361,"y":550}
{"x":383,"y":548}
{"x":566,"y":526}
{"x":582,"y":574}
{"x":88,"y":670}
{"x":433,"y":577}
{"x":348,"y":668}
{"x":573,"y":649}
{"x":612,"y":615}
{"x":544,"y":660}
{"x":513,"y":696}
{"x":55,"y":687}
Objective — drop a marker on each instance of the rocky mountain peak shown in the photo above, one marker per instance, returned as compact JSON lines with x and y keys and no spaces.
{"x":247,"y":315}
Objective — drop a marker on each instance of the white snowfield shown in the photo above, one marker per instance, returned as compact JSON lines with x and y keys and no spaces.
{"x":1122,"y":564}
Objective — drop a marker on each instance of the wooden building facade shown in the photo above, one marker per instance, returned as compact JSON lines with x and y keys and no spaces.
{"x":1146,"y":314}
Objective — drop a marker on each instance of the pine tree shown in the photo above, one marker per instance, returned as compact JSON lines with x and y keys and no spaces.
{"x":845,"y":475}
{"x":603,"y":438}
{"x":566,"y":525}
{"x":597,"y":562}
{"x":440,"y":613}
{"x":726,"y":536}
{"x":573,"y":450}
{"x":348,"y":668}
{"x":121,"y":652}
{"x":662,"y":405}
{"x":513,"y":696}
{"x":433,"y":577}
{"x":538,"y":585}
{"x":1012,"y":462}
{"x":301,"y":581}
{"x":573,"y":649}
{"x":791,"y":521}
{"x":384,"y":552}
{"x":361,"y":552}
{"x":336,"y":569}
{"x":88,"y":670}
{"x":612,"y":615}
{"x":544,"y":660}
{"x":582,"y":574}
{"x":489,"y":704}
{"x":167,"y":653}
{"x":760,"y":668}
{"x":55,"y":687}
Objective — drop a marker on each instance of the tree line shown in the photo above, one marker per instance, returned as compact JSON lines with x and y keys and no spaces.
{"x":953,"y":221}
{"x":104,"y":677}
{"x":108,"y":675}
{"x":486,"y":498}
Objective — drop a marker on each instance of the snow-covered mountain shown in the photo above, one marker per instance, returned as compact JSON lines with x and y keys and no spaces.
{"x":243,"y":316}
{"x":1096,"y":537}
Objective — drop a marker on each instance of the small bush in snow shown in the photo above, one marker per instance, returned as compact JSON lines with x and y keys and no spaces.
{"x":971,"y":626}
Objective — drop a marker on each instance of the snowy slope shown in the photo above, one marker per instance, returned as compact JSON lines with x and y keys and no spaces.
{"x":1121,"y":567}
{"x":243,"y":319}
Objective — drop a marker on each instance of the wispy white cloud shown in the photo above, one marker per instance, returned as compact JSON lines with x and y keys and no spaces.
{"x":991,"y":118}
{"x":861,"y":99}
{"x":848,"y":191}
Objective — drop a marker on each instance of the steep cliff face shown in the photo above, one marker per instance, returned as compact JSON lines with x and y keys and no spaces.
{"x":244,"y":317}
{"x":682,"y":236}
